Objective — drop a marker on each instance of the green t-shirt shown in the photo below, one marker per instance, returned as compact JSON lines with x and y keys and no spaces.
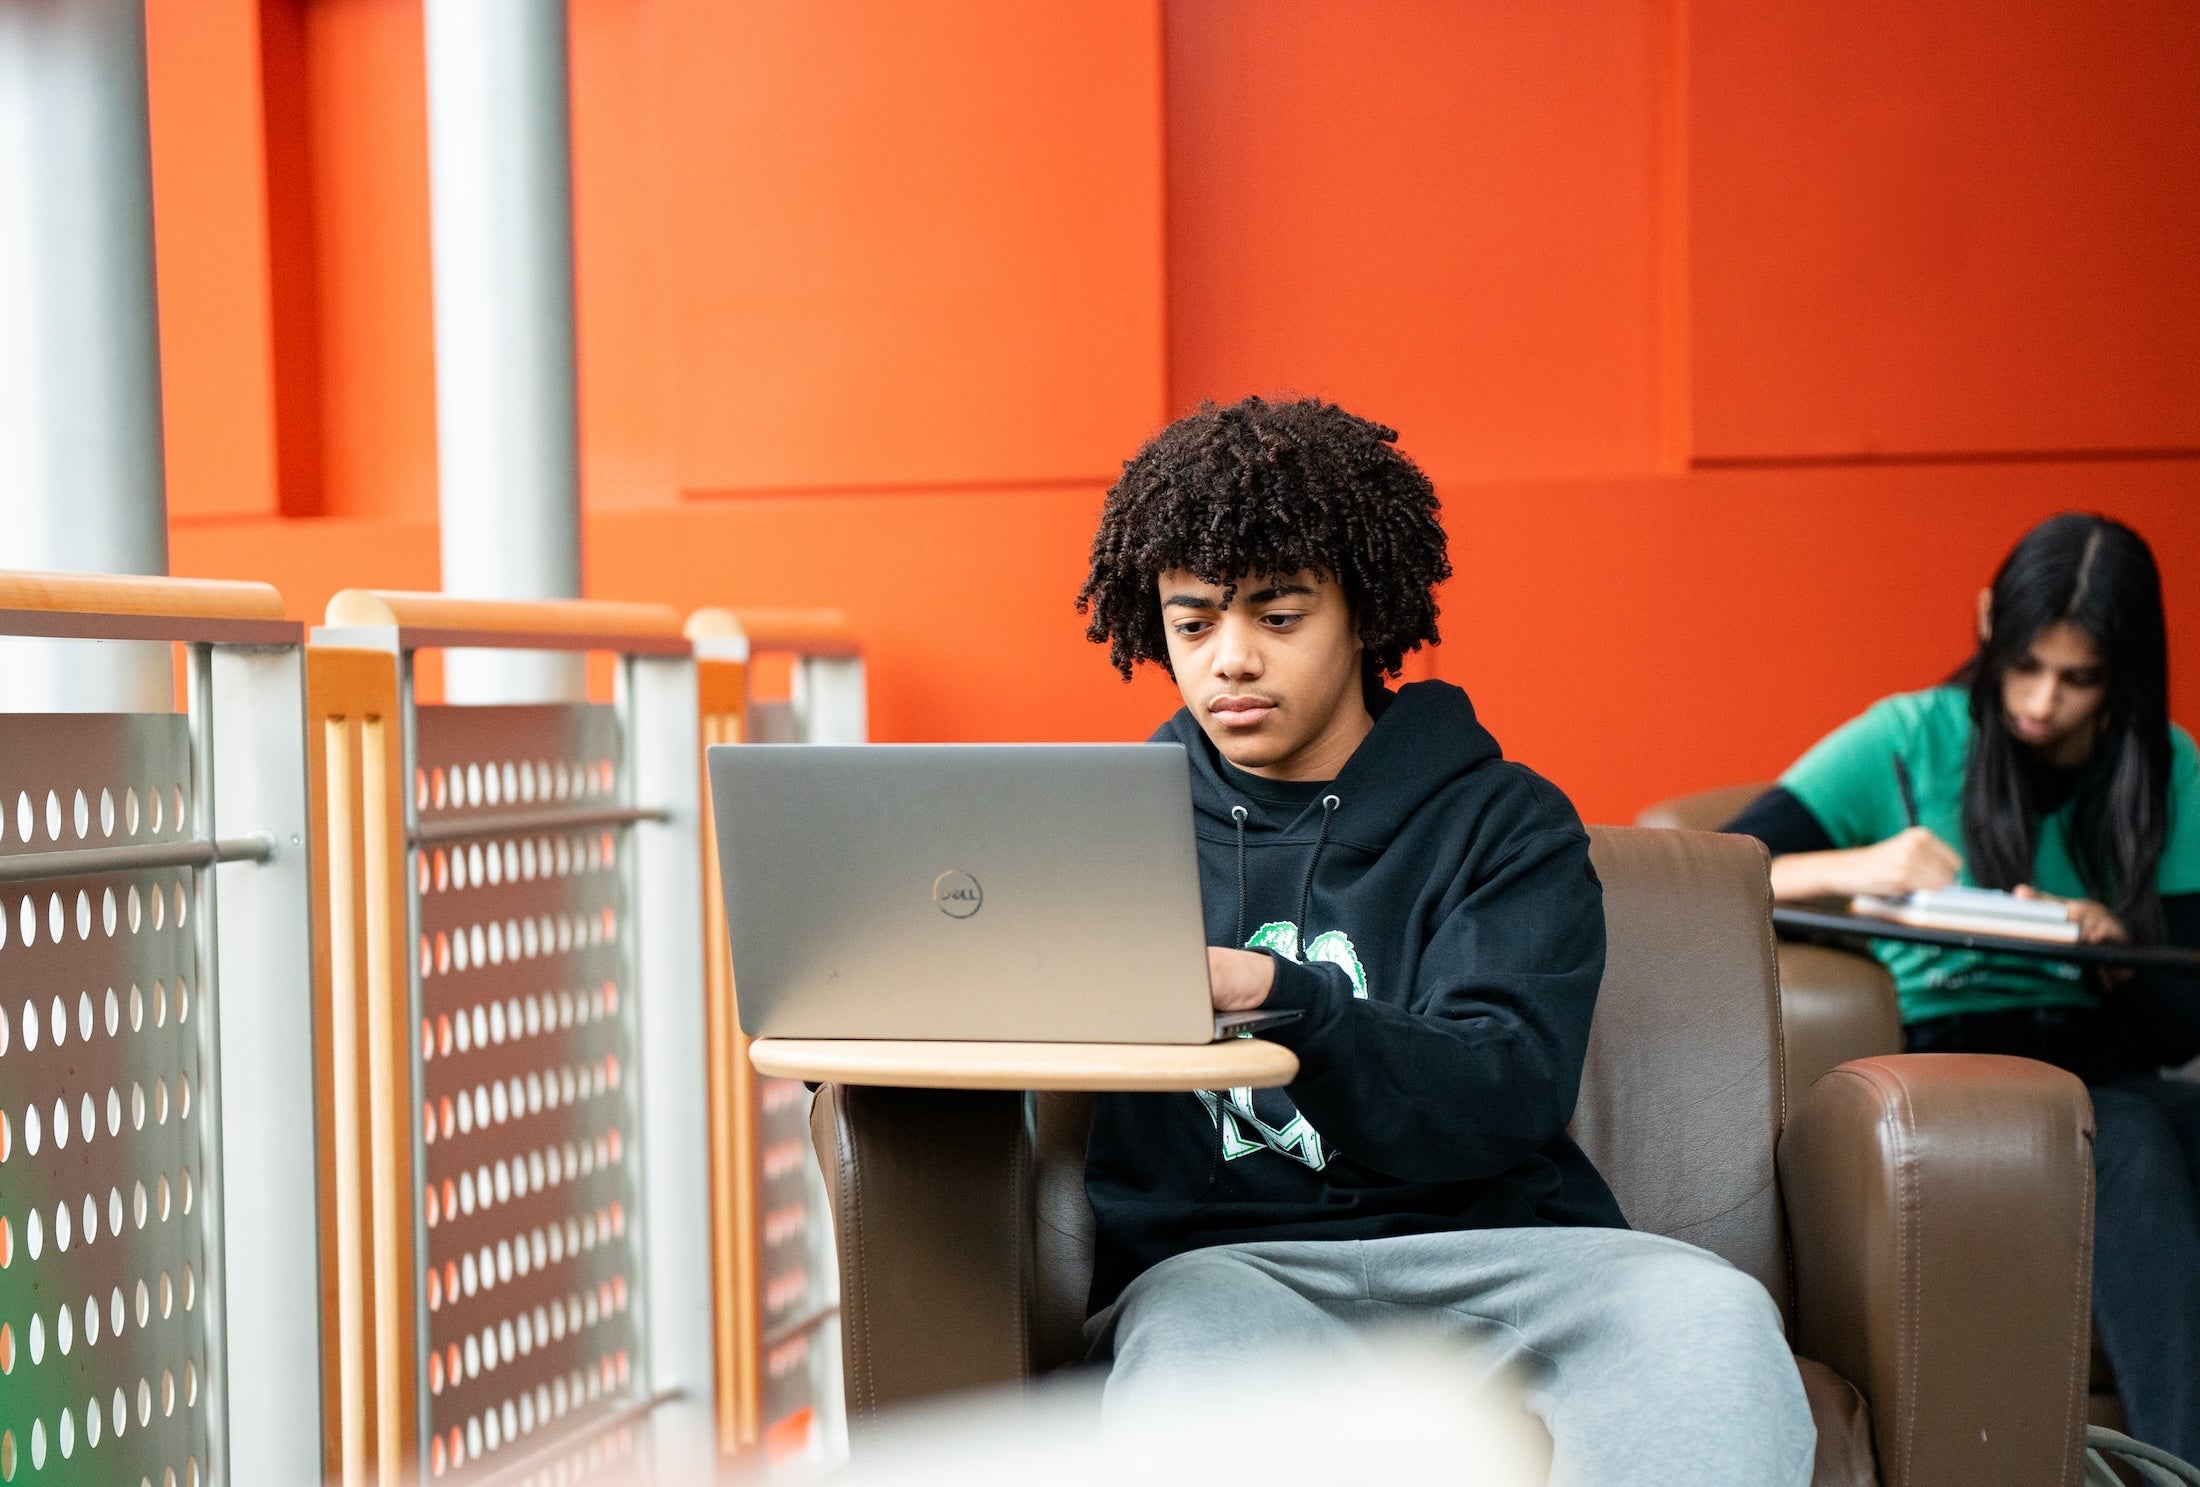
{"x":1848,"y":782}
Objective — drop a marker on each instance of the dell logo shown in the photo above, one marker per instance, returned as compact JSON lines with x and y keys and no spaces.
{"x":957,"y":894}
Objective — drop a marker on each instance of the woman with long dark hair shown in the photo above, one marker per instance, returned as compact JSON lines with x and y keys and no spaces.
{"x":2048,"y":766}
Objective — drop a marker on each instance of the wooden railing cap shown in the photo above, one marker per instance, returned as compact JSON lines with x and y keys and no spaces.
{"x":132,"y":593}
{"x":813,"y":632}
{"x":593,"y":618}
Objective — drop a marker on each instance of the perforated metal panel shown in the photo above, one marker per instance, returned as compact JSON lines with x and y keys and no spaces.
{"x":617,"y":1457}
{"x":799,"y":1273}
{"x":529,"y":1295}
{"x":798,"y":1283}
{"x":110,"y":1363}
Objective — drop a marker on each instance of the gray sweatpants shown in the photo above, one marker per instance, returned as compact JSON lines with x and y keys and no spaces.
{"x":1648,"y":1360}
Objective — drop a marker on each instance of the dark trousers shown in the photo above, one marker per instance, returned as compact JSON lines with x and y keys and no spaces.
{"x":2146,"y":1206}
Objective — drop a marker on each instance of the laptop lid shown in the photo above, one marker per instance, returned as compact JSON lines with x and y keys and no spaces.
{"x":1009,"y":892}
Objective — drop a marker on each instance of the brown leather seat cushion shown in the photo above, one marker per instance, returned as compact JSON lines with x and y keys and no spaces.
{"x":1844,"y":1429}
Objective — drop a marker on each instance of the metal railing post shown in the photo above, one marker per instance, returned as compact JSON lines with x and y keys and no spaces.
{"x":162,"y":946}
{"x":546,"y":1252}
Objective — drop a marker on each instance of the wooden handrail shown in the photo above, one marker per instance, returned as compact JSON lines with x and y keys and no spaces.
{"x":131,"y":593}
{"x":808,"y":632}
{"x":432,"y":620}
{"x":536,"y":616}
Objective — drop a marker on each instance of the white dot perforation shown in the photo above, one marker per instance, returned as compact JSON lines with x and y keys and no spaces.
{"x":65,"y":816}
{"x":503,"y":1421}
{"x":493,"y":784}
{"x":515,"y":860}
{"x":100,"y":1147}
{"x":479,"y":945}
{"x":525,"y":1048}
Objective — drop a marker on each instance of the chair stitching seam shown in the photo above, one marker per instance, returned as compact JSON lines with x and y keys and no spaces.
{"x":1911,"y":1211}
{"x":2079,"y":1353}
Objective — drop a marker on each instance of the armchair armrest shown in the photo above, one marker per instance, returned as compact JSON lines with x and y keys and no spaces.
{"x":931,"y":1195}
{"x":1835,"y":1005}
{"x":1941,"y":1212}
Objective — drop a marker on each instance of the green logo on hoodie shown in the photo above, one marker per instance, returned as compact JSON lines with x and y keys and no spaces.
{"x":1281,"y":1129}
{"x":1331,"y":945}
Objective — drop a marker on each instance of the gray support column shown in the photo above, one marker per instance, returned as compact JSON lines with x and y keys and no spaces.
{"x":81,"y":485}
{"x":500,"y":175}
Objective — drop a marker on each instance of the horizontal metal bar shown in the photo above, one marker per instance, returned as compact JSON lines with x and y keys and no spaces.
{"x":25,"y":867}
{"x":796,"y":1326}
{"x":521,"y":1467}
{"x":210,"y":630}
{"x":519,"y":823}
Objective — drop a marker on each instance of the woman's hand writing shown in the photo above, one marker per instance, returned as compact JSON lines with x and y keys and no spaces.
{"x":1907,"y":860}
{"x":1904,"y":863}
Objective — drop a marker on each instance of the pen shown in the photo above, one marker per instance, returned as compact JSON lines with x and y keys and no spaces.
{"x":1909,"y":792}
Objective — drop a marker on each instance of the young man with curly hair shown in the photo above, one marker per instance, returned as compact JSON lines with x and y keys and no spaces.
{"x":1369,"y":859}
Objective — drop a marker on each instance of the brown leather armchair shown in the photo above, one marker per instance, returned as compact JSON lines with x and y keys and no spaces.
{"x":1836,"y":1005}
{"x":1924,"y":1222}
{"x":1839,"y":1005}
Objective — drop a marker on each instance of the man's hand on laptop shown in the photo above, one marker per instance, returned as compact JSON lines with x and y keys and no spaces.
{"x":1239,"y":979}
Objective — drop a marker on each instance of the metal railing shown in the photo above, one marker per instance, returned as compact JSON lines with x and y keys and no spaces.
{"x":376,"y":1032}
{"x":159,"y":1266}
{"x":515,"y":1054}
{"x":779,"y":1342}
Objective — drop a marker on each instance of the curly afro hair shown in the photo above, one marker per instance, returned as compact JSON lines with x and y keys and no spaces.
{"x":1262,"y":488}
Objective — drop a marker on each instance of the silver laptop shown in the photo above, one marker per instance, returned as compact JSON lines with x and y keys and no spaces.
{"x":994,"y":892}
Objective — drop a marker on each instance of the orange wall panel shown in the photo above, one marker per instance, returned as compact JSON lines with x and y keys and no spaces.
{"x":871,"y":304}
{"x":1639,"y":639}
{"x":1443,"y":216}
{"x":1938,"y":226}
{"x":913,"y":243}
{"x":211,"y":256}
{"x":623,"y":254}
{"x":964,"y":600}
{"x":308,"y":560}
{"x":368,"y":124}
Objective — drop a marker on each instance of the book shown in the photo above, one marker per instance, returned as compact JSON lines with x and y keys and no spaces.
{"x":1978,"y":911}
{"x":1993,"y":901}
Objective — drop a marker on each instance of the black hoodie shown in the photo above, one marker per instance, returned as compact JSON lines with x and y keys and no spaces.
{"x":1456,"y":937}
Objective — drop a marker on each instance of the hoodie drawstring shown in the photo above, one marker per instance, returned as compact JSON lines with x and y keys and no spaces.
{"x":1306,"y":887}
{"x":1237,"y":814}
{"x":1220,"y":1109}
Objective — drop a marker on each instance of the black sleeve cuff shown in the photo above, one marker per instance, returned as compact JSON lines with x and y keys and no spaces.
{"x":1783,"y":823}
{"x":1316,"y":992}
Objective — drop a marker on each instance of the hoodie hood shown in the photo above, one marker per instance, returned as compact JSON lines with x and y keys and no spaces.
{"x":1425,"y":738}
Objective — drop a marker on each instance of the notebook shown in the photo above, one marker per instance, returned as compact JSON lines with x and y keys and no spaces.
{"x":1979,"y":911}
